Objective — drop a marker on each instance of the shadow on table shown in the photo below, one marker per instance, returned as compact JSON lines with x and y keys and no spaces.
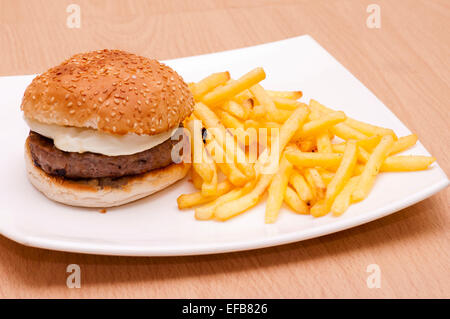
{"x":40,"y":268}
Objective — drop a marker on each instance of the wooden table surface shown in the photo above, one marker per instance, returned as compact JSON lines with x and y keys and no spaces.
{"x":405,"y":63}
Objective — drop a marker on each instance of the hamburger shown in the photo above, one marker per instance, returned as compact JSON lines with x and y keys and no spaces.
{"x":103,"y":129}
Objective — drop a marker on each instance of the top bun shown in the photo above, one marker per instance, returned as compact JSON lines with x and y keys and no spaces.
{"x":111,"y":91}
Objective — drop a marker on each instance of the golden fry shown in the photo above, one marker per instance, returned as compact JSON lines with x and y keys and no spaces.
{"x":301,"y":187}
{"x":406,"y":163}
{"x":226,"y":164}
{"x":403,"y":143}
{"x":194,"y":199}
{"x":369,"y":129}
{"x":207,"y":211}
{"x":270,"y":111}
{"x":221,"y":94}
{"x":323,"y":142}
{"x":316,"y":183}
{"x":231,"y":209}
{"x":343,"y":200}
{"x":312,"y":159}
{"x":235,"y":109}
{"x":229,"y":120}
{"x":209,"y":83}
{"x":315,"y":126}
{"x":276,"y":191}
{"x":286,"y":104}
{"x":341,"y":177}
{"x":223,"y":138}
{"x":293,"y":95}
{"x":372,"y":168}
{"x":292,"y":199}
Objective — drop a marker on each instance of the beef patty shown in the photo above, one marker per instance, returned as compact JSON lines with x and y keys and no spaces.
{"x":92,"y":165}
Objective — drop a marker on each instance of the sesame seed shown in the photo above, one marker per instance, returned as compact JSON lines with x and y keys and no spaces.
{"x":69,"y":104}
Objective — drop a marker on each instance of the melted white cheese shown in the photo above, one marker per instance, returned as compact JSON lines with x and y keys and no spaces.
{"x":80,"y":140}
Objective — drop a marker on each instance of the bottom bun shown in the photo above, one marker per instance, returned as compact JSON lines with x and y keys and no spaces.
{"x":102,"y":192}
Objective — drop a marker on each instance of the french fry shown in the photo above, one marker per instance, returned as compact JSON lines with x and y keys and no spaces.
{"x":369,"y":143}
{"x":406,"y":163}
{"x":258,"y":112}
{"x":224,"y":139}
{"x":287,"y":130}
{"x":258,"y":124}
{"x":248,"y":105}
{"x":286,"y":104}
{"x":323,"y":142}
{"x":229,"y":120}
{"x":276,"y":191}
{"x":403,"y":143}
{"x":207,"y":211}
{"x":243,"y":96}
{"x":341,"y":177}
{"x":238,"y":206}
{"x":221,"y":94}
{"x":316,"y":183}
{"x":201,"y":162}
{"x":235,"y":109}
{"x":327,"y":176}
{"x":209,"y":188}
{"x":369,"y":129}
{"x":225,"y":164}
{"x":293,"y":95}
{"x":343,"y":200}
{"x":301,"y":187}
{"x":291,"y":125}
{"x":307,"y":145}
{"x":209,"y":83}
{"x":312,"y":159}
{"x":372,"y":168}
{"x":196,"y":179}
{"x":194,"y":199}
{"x":292,"y":199}
{"x":362,"y":154}
{"x":347,"y":131}
{"x":315,"y":126}
{"x":270,"y":110}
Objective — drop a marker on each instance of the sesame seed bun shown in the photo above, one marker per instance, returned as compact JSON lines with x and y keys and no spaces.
{"x":110,"y":91}
{"x":94,"y":193}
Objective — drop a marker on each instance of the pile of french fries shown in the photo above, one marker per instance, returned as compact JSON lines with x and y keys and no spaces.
{"x":246,"y":140}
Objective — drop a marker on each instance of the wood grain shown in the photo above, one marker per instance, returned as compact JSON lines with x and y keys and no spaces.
{"x":405,"y":63}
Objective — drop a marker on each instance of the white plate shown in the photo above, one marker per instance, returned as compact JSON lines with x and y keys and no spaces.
{"x":154,"y":226}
